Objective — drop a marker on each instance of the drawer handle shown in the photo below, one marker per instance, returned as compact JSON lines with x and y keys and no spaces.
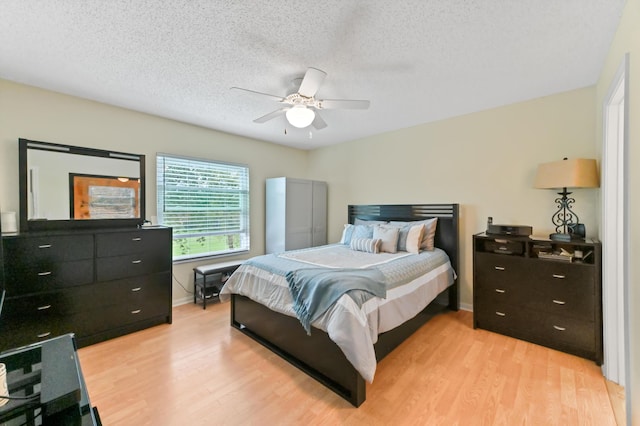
{"x":499,"y":290}
{"x":45,"y":307}
{"x":135,"y":262}
{"x":136,"y":239}
{"x":561,"y":277}
{"x":44,"y":274}
{"x":41,"y":246}
{"x":137,"y":311}
{"x":501,"y":314}
{"x":559,"y":302}
{"x":557,"y":327}
{"x":41,"y":335}
{"x":499,"y":268}
{"x":136,"y":289}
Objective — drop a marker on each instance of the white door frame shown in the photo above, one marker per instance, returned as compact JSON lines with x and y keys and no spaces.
{"x":615,"y":220}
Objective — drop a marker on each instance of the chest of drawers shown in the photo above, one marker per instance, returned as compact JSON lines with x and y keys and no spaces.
{"x":96,"y":284}
{"x":552,"y":302}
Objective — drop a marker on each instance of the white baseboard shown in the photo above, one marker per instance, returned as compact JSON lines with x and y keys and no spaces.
{"x":466,"y":307}
{"x":182,"y":301}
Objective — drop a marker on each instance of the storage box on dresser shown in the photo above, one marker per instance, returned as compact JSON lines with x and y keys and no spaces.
{"x":552,"y":302}
{"x":98,"y":284}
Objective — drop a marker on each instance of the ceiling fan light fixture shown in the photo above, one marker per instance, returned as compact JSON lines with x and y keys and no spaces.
{"x":300,"y":116}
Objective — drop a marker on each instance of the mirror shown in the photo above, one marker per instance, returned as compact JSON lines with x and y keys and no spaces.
{"x":63,"y":186}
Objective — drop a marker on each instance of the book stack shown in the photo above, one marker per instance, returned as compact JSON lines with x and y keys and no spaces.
{"x":562,"y":256}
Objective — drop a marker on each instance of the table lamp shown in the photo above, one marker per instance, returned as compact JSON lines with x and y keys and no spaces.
{"x":563,"y":174}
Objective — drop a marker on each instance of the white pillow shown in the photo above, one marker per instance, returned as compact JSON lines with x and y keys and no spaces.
{"x":389,"y":237}
{"x":414,"y":238}
{"x":368,"y":245}
{"x":429,"y":231}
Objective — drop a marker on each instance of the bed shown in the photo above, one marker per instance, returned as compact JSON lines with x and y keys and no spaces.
{"x":320,"y":349}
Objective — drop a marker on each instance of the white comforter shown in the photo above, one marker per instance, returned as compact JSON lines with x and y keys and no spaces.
{"x":353,"y":329}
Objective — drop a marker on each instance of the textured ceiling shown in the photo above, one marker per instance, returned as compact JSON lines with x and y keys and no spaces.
{"x":416,"y":60}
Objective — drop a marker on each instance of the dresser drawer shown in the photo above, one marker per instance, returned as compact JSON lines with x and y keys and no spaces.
{"x":140,"y":241}
{"x":132,"y":312}
{"x":131,"y":265}
{"x":554,"y":331}
{"x":555,"y":272}
{"x":499,"y":267}
{"x":564,"y":333}
{"x":86,"y":298}
{"x":566,"y":299}
{"x":504,"y":319}
{"x":156,"y":287}
{"x":25,"y":279}
{"x":497,"y":296}
{"x":15,"y":333}
{"x":38,"y":306}
{"x":21,"y":252}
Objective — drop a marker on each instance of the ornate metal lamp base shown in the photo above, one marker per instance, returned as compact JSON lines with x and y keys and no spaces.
{"x":564,"y":217}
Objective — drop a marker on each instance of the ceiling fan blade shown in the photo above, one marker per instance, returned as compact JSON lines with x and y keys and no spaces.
{"x":274,"y":97}
{"x":343,"y":104}
{"x":270,"y":116}
{"x":311,"y":82}
{"x":318,"y":122}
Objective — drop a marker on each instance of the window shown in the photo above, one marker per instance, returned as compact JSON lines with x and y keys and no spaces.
{"x":206,"y":203}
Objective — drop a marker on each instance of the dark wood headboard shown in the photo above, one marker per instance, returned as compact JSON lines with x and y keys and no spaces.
{"x":446,"y":231}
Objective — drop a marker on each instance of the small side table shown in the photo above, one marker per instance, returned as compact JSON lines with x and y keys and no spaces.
{"x":48,"y":376}
{"x":208,"y":279}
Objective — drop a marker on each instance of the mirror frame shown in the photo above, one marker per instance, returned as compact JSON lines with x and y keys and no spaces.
{"x":27,"y":225}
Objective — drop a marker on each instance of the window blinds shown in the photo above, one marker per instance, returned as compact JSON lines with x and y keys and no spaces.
{"x":200,"y":198}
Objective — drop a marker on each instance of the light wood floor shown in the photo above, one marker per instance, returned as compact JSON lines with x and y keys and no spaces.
{"x":200,"y":371}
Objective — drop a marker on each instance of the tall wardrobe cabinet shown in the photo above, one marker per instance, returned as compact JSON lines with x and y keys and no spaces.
{"x":296,"y":214}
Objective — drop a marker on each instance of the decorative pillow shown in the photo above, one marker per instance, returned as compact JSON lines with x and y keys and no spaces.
{"x":369,"y":245}
{"x":346,"y":234}
{"x":369,"y":222}
{"x":388,"y":236}
{"x":403,"y":231}
{"x":414,"y":238}
{"x":362,"y":231}
{"x":429,"y":231}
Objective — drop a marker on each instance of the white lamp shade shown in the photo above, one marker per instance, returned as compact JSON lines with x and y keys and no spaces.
{"x":300,"y":116}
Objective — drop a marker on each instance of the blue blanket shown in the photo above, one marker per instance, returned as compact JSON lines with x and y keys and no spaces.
{"x":314,"y":290}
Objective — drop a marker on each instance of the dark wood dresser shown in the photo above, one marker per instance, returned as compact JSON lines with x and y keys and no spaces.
{"x":97,"y":284}
{"x":545,"y":292}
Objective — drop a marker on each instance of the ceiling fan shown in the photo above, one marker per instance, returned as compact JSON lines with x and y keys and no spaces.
{"x":302,"y":108}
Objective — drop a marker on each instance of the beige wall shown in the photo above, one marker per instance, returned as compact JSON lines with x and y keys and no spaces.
{"x":485,"y":161}
{"x":37,"y":114}
{"x":627,"y":40}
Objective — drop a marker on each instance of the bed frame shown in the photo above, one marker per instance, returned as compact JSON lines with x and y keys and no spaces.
{"x":317,"y":355}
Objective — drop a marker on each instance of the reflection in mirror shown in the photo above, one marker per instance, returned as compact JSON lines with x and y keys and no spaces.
{"x":50,"y":196}
{"x":104,"y":197}
{"x":63,"y":183}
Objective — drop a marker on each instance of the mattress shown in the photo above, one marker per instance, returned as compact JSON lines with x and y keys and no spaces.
{"x":413,"y":281}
